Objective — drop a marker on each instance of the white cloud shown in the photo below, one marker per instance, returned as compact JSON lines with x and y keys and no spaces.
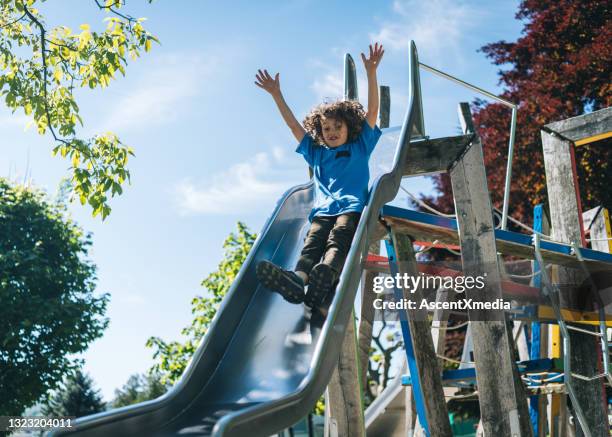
{"x":330,"y":87}
{"x":163,"y":90}
{"x":252,"y":185}
{"x":438,"y":27}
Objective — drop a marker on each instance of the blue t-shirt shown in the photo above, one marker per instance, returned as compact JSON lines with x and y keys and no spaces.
{"x":341,"y":174}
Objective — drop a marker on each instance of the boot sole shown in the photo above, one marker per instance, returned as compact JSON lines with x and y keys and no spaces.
{"x":320,"y":285}
{"x":273,"y":278}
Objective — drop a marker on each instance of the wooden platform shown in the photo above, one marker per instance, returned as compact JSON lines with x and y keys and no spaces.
{"x":430,"y":227}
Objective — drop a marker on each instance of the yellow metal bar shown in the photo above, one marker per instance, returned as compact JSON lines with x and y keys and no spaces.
{"x":592,"y":139}
{"x":606,"y":217}
{"x":555,"y":341}
{"x":555,"y":404}
{"x":586,"y":318}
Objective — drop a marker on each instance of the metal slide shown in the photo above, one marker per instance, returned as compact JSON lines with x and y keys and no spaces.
{"x":262,"y":365}
{"x":386,"y":415}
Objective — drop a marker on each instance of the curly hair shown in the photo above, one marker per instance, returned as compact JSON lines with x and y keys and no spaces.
{"x":350,"y":112}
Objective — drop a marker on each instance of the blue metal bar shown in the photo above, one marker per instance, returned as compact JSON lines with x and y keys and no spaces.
{"x":467,"y":377}
{"x":419,"y":396}
{"x":534,"y":353}
{"x":500,"y":234}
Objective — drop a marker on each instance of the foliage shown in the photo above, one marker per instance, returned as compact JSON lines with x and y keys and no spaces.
{"x":77,"y":397}
{"x":139,"y":388}
{"x":172,"y":357}
{"x":47,"y":306}
{"x":39,"y":70}
{"x":319,"y":408}
{"x":384,"y":345}
{"x":558,"y":68}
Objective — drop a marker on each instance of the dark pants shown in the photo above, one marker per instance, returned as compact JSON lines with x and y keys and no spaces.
{"x":328,"y":241}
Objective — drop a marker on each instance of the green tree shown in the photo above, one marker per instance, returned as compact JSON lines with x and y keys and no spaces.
{"x":47,"y":305}
{"x":140,"y":388}
{"x":39,"y":70}
{"x":172,"y":357}
{"x":382,"y":350}
{"x":76,"y":397}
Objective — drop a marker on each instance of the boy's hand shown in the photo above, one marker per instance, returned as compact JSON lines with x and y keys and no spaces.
{"x":376,"y":54}
{"x":265,"y":81}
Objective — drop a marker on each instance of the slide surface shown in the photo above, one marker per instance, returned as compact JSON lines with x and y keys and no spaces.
{"x":262,"y":365}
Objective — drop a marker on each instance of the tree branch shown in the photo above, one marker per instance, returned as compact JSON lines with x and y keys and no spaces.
{"x":129,"y":18}
{"x":13,"y":22}
{"x":35,"y":21}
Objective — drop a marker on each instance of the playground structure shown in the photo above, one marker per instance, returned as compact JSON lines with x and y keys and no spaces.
{"x":263,"y":365}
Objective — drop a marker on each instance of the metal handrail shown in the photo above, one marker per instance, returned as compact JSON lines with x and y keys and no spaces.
{"x":514,"y":108}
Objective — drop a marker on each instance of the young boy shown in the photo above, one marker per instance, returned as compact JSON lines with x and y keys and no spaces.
{"x":336,"y":140}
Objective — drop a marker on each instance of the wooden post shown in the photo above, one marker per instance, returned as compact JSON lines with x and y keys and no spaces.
{"x":503,"y":403}
{"x":565,"y":222}
{"x":344,"y":396}
{"x":410,"y":417}
{"x":440,"y":322}
{"x":597,"y":220}
{"x":385,"y":107}
{"x":429,"y":374}
{"x":366,"y":323}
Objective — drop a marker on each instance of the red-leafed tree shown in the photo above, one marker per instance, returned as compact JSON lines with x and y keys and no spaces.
{"x":559,"y":68}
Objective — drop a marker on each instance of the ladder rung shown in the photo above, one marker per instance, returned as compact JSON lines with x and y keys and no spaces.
{"x":584,"y":331}
{"x":589,"y":378}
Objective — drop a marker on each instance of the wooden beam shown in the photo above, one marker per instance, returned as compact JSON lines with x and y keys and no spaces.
{"x":503,"y":402}
{"x":597,"y":222}
{"x":429,"y":373}
{"x":443,"y":234}
{"x":366,"y":322}
{"x":429,"y":156}
{"x":384,"y":112}
{"x":590,"y":127}
{"x":565,"y":224}
{"x":344,"y":403}
{"x":440,"y":322}
{"x":366,"y":319}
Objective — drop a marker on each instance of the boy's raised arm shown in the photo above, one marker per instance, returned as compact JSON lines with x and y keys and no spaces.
{"x":265,"y":81}
{"x":371,"y":64}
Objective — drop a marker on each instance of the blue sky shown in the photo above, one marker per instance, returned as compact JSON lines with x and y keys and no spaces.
{"x":210,"y":146}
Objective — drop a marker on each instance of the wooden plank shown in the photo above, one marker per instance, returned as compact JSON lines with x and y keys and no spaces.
{"x":597,"y":222}
{"x":522,"y":294}
{"x":429,"y":156}
{"x":565,"y":223}
{"x":366,"y":322}
{"x":440,"y":322}
{"x":445,"y":234}
{"x":410,"y":418}
{"x":384,"y":113}
{"x":429,"y":373}
{"x":366,"y":319}
{"x":584,"y":126}
{"x":344,"y":396}
{"x":503,"y":403}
